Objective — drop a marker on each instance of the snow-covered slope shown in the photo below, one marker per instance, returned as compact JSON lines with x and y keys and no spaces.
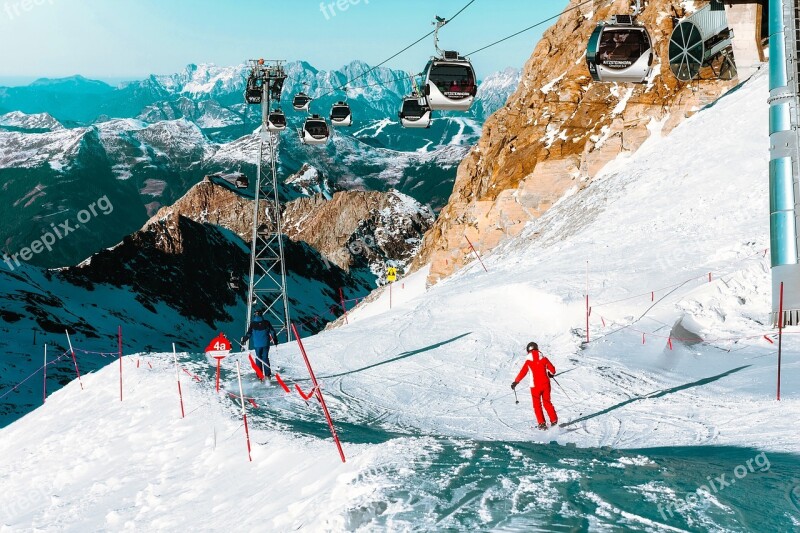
{"x":56,"y":148}
{"x":650,"y":222}
{"x":177,"y":474}
{"x":426,"y":384}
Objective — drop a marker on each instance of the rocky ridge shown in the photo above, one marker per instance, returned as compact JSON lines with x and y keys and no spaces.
{"x":557,"y":131}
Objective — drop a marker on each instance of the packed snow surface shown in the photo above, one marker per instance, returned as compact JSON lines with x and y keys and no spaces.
{"x":650,"y":229}
{"x":439,"y":363}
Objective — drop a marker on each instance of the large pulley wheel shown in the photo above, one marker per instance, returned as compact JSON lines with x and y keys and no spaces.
{"x":686,"y":51}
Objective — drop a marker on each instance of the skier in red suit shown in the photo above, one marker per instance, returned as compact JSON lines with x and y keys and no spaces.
{"x":541,"y":370}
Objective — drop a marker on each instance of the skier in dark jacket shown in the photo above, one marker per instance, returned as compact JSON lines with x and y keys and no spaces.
{"x":261,"y":331}
{"x":541,"y":370}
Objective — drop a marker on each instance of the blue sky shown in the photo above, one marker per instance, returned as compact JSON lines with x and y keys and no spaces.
{"x":128,"y":39}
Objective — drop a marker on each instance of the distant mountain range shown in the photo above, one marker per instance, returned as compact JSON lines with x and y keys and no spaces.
{"x":66,"y":142}
{"x":211,"y":96}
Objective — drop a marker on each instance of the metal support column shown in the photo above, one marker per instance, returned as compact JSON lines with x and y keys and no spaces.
{"x":267,"y":284}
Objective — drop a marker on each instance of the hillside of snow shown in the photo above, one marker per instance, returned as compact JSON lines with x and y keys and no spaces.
{"x":420,"y":392}
{"x":651,"y":221}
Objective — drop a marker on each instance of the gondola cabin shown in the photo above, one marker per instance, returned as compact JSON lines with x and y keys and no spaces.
{"x":341,"y":115}
{"x":301,"y":101}
{"x":276,"y":89}
{"x":415,"y":112}
{"x":253,"y":93}
{"x":315,"y":131}
{"x":450,"y":83}
{"x":234,"y":282}
{"x":276,"y":121}
{"x":620,"y":50}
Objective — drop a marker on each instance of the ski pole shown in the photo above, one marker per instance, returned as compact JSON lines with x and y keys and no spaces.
{"x":264,"y":363}
{"x":515,"y":395}
{"x":562,"y":389}
{"x":565,"y":394}
{"x":239,"y":343}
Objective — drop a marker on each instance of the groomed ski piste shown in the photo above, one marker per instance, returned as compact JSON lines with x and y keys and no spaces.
{"x":434,"y":372}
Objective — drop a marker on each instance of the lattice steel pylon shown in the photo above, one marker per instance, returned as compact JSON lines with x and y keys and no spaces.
{"x":267,"y":287}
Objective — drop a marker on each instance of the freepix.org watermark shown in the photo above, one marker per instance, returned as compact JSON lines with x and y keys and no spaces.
{"x":330,"y":9}
{"x":21,"y":503}
{"x":717,"y":484}
{"x":17,"y":8}
{"x":57,"y":232}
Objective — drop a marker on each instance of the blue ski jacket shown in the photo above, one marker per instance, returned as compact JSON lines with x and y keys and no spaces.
{"x":260,"y":331}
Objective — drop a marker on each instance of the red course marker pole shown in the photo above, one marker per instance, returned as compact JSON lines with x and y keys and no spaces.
{"x":587,"y":302}
{"x":44,"y":377}
{"x":474,"y":251}
{"x":244,"y":413}
{"x":74,"y":359}
{"x":780,"y":340}
{"x":219,"y":359}
{"x":319,"y":394}
{"x":178,"y":377}
{"x":119,"y":338}
{"x":587,"y":319}
{"x":344,"y":308}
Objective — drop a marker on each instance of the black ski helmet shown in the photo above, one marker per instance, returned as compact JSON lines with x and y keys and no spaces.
{"x":532,"y":346}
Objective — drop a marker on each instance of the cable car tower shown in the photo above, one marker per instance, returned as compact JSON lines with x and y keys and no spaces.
{"x":267,"y":288}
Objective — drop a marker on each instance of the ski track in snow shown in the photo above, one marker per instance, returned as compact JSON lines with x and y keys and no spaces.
{"x":677,"y":222}
{"x":438,"y":364}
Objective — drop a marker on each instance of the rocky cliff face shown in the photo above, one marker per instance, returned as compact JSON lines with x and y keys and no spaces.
{"x":175,"y":260}
{"x":213,"y":202}
{"x":310,"y":181}
{"x":557,"y":131}
{"x":353,"y":230}
{"x":359,"y":228}
{"x":188,"y":264}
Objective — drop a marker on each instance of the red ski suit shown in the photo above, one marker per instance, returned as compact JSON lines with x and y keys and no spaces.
{"x":539,"y":366}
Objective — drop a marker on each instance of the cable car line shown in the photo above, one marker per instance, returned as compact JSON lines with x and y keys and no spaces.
{"x":398,"y":53}
{"x":531,"y":27}
{"x":449,"y":83}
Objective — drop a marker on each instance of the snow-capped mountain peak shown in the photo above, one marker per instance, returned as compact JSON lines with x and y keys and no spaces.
{"x":204,"y":79}
{"x":36,"y":121}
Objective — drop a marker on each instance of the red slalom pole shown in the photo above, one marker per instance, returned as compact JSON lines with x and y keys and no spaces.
{"x":474,"y":251}
{"x":587,"y":302}
{"x":319,"y":394}
{"x":219,"y":359}
{"x":74,"y":359}
{"x":780,"y":339}
{"x":44,"y":378}
{"x":587,"y":319}
{"x":344,"y":308}
{"x":244,"y":413}
{"x":178,"y":377}
{"x":119,"y":338}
